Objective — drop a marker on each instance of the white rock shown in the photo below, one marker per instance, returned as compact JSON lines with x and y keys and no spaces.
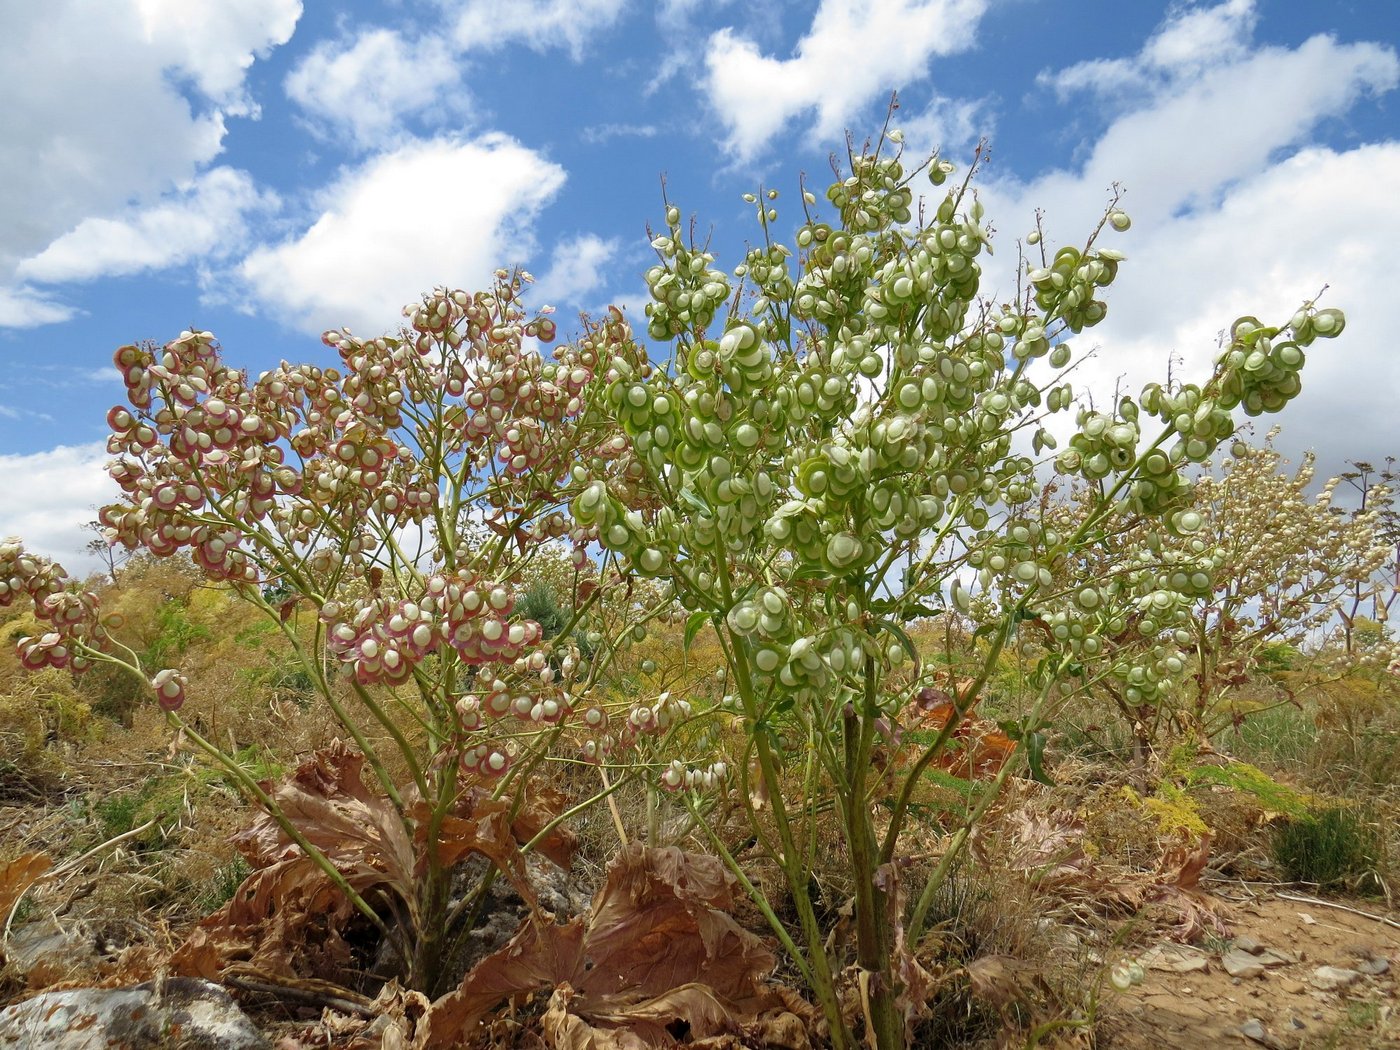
{"x":1330,"y":978}
{"x":145,"y":1015}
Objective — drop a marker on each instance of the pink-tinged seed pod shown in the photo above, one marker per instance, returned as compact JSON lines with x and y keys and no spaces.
{"x":673,"y":779}
{"x":169,"y":688}
{"x":496,"y":764}
{"x":469,"y":712}
{"x":472,"y":757}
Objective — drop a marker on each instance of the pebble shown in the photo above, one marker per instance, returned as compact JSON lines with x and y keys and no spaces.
{"x":1254,"y":1029}
{"x":1330,"y":978}
{"x":1241,"y":964}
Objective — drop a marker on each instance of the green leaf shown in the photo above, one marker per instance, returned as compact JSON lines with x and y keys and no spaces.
{"x":901,"y":636}
{"x":688,"y":494}
{"x":1035,"y":753}
{"x":693,"y":623}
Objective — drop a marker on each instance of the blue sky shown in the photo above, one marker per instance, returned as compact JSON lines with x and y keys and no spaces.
{"x":266,"y":170}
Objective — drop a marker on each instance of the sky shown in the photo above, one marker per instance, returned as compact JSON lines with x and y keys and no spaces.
{"x":266,"y":170}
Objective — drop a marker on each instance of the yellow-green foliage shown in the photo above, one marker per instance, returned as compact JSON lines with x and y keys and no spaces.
{"x":1175,"y":810}
{"x":38,"y":717}
{"x":1274,"y":797}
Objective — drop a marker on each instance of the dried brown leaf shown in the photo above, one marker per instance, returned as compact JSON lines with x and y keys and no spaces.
{"x":542,"y":805}
{"x":541,"y":956}
{"x":659,"y":922}
{"x":1002,"y":981}
{"x":655,"y":950}
{"x":327,"y":801}
{"x":18,"y":876}
{"x":283,"y":919}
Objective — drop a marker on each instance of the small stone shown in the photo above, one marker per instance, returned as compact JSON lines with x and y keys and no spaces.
{"x":1241,"y":964}
{"x":1173,"y":958}
{"x":1374,"y":967}
{"x":1254,"y":1029}
{"x":1330,"y":978}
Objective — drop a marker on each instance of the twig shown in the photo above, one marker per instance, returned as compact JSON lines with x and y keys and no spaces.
{"x":310,"y":995}
{"x":1340,"y":907}
{"x":612,"y":807}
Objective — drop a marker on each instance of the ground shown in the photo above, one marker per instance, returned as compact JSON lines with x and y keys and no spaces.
{"x":1193,"y":1009}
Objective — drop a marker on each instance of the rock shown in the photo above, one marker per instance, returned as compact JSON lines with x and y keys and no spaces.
{"x":1241,"y":964}
{"x":1373,"y":967}
{"x":1269,"y":957}
{"x":1246,"y":943}
{"x":46,"y":952}
{"x":1174,"y":959}
{"x":1330,"y":978}
{"x":183,"y":1011}
{"x":1254,"y":1029}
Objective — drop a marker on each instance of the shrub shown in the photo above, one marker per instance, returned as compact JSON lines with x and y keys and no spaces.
{"x":1333,"y":847}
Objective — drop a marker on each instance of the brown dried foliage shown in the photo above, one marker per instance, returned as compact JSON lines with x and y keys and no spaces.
{"x":658,"y":955}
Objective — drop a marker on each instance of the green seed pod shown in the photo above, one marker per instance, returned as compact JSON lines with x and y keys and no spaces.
{"x":1329,"y":323}
{"x":843,"y":550}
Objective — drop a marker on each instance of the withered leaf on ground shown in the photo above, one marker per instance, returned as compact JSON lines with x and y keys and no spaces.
{"x":327,"y":801}
{"x":288,"y":916}
{"x":656,"y":950}
{"x":17,"y":876}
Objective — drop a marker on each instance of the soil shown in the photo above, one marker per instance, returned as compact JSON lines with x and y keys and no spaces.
{"x":1188,"y":999}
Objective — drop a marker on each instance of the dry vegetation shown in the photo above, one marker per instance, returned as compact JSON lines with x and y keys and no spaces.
{"x":122,"y":853}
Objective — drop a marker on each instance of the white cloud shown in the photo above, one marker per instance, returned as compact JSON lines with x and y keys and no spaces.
{"x":488,"y":25}
{"x":205,"y":217}
{"x":1194,"y":38}
{"x":429,"y":213}
{"x":575,"y":270}
{"x":1320,"y":218}
{"x":855,"y":51}
{"x":1192,"y":139}
{"x":24,"y":307}
{"x":364,"y":88}
{"x":54,"y":493}
{"x":1191,"y":39}
{"x":1234,"y":212}
{"x":633,"y":305}
{"x":949,"y":125}
{"x":213,"y":42}
{"x":598,"y":134}
{"x":95,"y":117}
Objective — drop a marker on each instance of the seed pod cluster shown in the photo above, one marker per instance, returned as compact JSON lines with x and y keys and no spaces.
{"x":686,"y":289}
{"x":71,"y":613}
{"x":1261,"y":370}
{"x":857,"y":407}
{"x":1066,"y":287}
